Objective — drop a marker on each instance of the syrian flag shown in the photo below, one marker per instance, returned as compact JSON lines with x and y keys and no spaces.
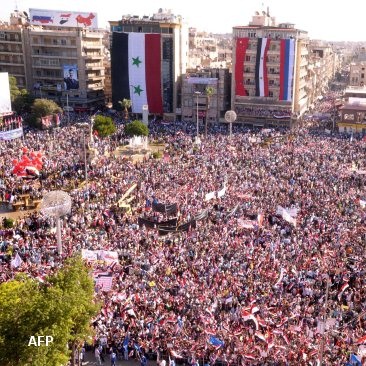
{"x":260,"y":336}
{"x":343,"y":288}
{"x":248,"y":316}
{"x":261,"y":76}
{"x":249,"y":357}
{"x":136,"y":69}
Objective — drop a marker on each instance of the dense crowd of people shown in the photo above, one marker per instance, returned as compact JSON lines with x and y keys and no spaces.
{"x":241,"y":283}
{"x":263,"y":112}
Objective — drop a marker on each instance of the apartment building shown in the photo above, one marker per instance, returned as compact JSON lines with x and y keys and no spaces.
{"x":12,"y":52}
{"x":195,"y":101}
{"x":321,"y":70}
{"x":353,"y":112}
{"x":169,"y":34}
{"x":270,"y":72}
{"x":52,"y":43}
{"x":357,"y":76}
{"x":207,"y":50}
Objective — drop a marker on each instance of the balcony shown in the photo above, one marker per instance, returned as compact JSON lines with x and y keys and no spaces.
{"x":92,"y":45}
{"x":11,"y":63}
{"x":94,"y":67}
{"x":54,"y":55}
{"x":92,"y":56}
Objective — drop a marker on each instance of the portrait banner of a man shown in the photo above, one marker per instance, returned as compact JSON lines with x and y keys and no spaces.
{"x":71,"y":77}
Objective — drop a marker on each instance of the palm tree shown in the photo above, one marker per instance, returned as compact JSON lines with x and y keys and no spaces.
{"x":209,"y":92}
{"x":126,"y":104}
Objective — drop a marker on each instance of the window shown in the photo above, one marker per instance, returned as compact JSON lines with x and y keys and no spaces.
{"x":271,"y":82}
{"x":247,"y":58}
{"x":270,"y":94}
{"x":362,"y":75}
{"x":63,"y":42}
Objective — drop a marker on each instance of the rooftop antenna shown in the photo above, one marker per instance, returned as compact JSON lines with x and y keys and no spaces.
{"x":16,"y":5}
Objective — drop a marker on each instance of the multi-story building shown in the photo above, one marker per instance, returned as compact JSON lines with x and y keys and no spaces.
{"x":12,"y":51}
{"x":195,"y":101}
{"x":270,"y":73}
{"x":52,"y":43}
{"x":169,"y":34}
{"x":357,"y":76}
{"x":353,"y":112}
{"x":207,"y":50}
{"x":322,"y":68}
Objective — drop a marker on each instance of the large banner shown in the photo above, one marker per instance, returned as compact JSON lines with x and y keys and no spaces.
{"x":12,"y":134}
{"x":137,"y":70}
{"x":5,"y":103}
{"x":59,"y":18}
{"x":71,"y":77}
{"x":107,"y":256}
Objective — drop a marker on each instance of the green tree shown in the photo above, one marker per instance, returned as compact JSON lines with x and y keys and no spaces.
{"x":136,"y":128}
{"x":44,"y":107}
{"x":209,"y":92}
{"x":104,"y":126}
{"x":126,"y":105}
{"x":23,"y":102}
{"x":62,"y":307}
{"x":14,"y":90}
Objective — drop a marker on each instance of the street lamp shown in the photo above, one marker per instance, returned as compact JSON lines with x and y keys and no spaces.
{"x":197,"y":93}
{"x":56,"y":204}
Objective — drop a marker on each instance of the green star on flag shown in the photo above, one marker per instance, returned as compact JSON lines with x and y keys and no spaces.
{"x":137,"y":90}
{"x":136,"y":61}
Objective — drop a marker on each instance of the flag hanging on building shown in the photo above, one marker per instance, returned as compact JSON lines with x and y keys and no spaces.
{"x":241,"y":49}
{"x":287,"y":61}
{"x":137,"y":68}
{"x":261,"y":75}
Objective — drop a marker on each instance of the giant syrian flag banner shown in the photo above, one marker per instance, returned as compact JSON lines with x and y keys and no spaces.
{"x":136,"y":67}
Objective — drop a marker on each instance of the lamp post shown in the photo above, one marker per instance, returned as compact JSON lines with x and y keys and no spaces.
{"x":230,"y":117}
{"x":197,"y":93}
{"x":56,"y":204}
{"x":68,"y":110}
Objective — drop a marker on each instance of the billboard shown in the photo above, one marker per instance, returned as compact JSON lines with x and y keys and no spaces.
{"x":5,"y":103}
{"x":71,"y":80}
{"x":59,"y":18}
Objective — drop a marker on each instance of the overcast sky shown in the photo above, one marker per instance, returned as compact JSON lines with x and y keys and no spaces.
{"x":323,"y":19}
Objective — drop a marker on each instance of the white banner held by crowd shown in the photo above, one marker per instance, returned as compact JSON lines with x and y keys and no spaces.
{"x":221,"y":192}
{"x":210,"y":196}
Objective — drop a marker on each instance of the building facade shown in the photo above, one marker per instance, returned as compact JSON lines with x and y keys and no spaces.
{"x":173,"y":38}
{"x":323,"y":64}
{"x":353,"y":112}
{"x":52,"y":44}
{"x":195,"y":101}
{"x":270,"y":72}
{"x":12,"y":48}
{"x":357,"y":75}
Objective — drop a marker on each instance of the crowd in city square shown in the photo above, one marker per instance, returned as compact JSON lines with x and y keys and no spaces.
{"x":266,"y":264}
